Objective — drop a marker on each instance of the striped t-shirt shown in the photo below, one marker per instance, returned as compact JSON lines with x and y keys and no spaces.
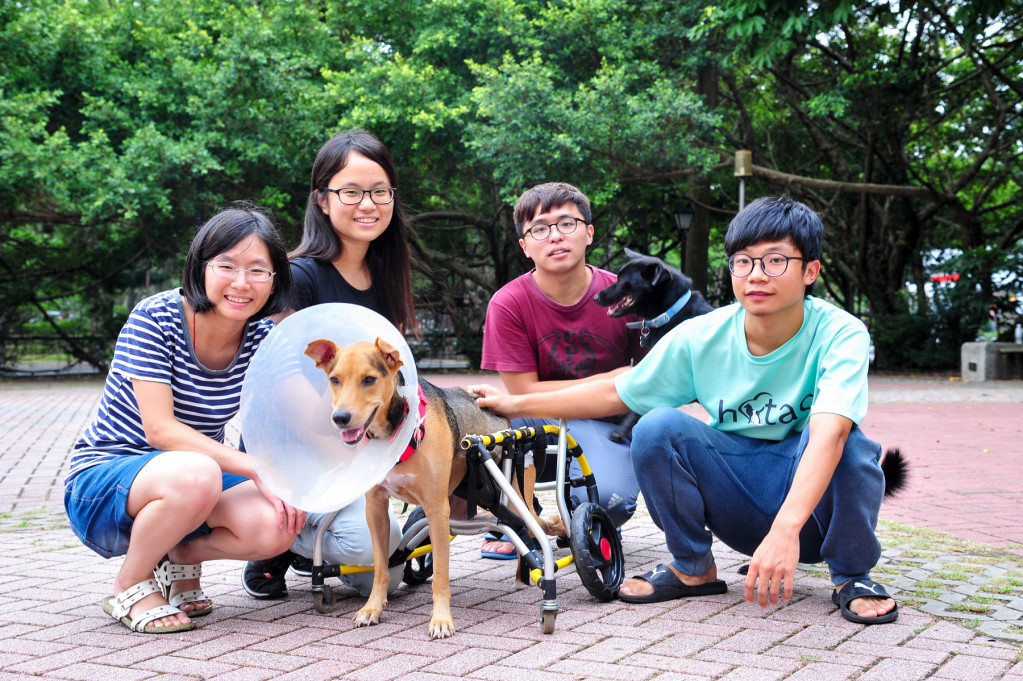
{"x":155,"y":345}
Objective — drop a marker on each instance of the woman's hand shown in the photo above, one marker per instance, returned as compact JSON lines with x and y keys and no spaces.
{"x":287,"y":515}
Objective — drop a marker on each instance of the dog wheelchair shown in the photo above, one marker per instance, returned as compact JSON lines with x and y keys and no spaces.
{"x":596,"y":548}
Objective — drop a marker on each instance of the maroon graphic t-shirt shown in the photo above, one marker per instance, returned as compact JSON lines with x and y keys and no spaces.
{"x":527,"y":331}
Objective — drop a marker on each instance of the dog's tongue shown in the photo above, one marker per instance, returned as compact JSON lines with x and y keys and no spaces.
{"x":617,"y":307}
{"x":352,"y":436}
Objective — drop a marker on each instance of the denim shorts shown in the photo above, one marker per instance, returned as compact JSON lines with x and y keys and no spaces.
{"x":97,"y":503}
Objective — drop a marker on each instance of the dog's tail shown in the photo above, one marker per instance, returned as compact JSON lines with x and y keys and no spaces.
{"x":895,"y":469}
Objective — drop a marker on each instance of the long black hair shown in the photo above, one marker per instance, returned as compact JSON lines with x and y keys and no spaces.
{"x":389,"y":257}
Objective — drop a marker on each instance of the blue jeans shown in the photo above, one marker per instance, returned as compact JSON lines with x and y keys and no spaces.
{"x":96,"y":502}
{"x":697,"y":481}
{"x":610,"y":462}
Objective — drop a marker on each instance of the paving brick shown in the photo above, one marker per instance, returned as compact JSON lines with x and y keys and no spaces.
{"x":501,"y":672}
{"x":970,"y":668}
{"x":824,"y":671}
{"x":392,"y":667}
{"x":254,"y":658}
{"x":244,"y":674}
{"x":85,"y":671}
{"x":748,"y":674}
{"x":756,"y":661}
{"x":682,"y":665}
{"x":897,"y":670}
{"x":602,"y":670}
{"x":60,"y":632}
{"x":463,"y":662}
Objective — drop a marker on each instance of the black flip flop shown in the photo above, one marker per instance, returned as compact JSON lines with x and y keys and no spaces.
{"x":858,"y":589}
{"x":668,"y":587}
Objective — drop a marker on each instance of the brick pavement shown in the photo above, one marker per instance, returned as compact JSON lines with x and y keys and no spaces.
{"x":953,"y":553}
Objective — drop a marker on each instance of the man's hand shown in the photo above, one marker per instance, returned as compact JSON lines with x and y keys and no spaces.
{"x":773,"y":563}
{"x":489,"y":397}
{"x":287,"y":515}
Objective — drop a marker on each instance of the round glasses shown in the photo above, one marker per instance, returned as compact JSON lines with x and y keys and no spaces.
{"x":565,"y":226}
{"x":351,"y":196}
{"x":772,"y":264}
{"x":229,"y":271}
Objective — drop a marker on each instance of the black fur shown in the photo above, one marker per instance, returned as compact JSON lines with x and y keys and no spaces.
{"x":648,"y":287}
{"x":895,"y":469}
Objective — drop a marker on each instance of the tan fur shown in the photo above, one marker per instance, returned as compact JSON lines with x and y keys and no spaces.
{"x":363,"y":379}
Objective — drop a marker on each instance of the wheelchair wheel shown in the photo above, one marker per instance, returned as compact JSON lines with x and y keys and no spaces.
{"x":597,"y":551}
{"x":420,"y":569}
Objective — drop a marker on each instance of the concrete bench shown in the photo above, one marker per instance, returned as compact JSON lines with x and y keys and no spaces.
{"x":992,"y":361}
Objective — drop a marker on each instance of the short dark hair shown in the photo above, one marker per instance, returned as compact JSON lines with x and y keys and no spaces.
{"x":221,"y":233}
{"x":389,"y":256}
{"x":776,"y":218}
{"x":547,"y":196}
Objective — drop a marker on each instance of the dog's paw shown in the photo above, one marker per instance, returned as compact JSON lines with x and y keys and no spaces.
{"x":367,"y":617}
{"x":441,"y":628}
{"x":555,"y":527}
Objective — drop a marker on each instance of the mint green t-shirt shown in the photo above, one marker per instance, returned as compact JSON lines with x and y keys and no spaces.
{"x":822,"y":369}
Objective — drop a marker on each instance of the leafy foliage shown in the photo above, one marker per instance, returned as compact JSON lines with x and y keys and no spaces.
{"x":124,"y":124}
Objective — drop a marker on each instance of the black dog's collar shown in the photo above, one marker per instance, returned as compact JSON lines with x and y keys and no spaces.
{"x":644,"y":325}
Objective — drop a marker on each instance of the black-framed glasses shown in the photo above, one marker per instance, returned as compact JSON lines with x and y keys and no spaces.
{"x":351,"y":196}
{"x":565,"y":226}
{"x":228,"y":271}
{"x":773,"y":264}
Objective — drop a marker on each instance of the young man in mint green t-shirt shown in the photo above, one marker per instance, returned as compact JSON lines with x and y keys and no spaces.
{"x":781,"y":471}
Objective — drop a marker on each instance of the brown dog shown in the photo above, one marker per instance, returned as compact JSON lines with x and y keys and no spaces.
{"x":364,"y":383}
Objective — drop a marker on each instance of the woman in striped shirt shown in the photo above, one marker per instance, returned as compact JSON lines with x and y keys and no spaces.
{"x":151,"y":478}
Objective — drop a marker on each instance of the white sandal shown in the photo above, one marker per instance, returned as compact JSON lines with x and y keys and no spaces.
{"x":119,"y":605}
{"x":167,"y":573}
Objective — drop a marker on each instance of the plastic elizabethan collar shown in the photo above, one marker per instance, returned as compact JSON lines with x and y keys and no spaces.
{"x":286,"y":411}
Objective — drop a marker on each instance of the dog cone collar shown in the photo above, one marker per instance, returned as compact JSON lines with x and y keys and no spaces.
{"x":285,"y":411}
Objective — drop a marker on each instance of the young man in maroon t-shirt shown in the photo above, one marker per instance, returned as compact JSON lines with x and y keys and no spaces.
{"x":544,"y":331}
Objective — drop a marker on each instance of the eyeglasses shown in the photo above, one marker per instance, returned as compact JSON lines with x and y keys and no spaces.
{"x":772,"y":264}
{"x":565,"y":226}
{"x":228,"y":271}
{"x":351,"y":196}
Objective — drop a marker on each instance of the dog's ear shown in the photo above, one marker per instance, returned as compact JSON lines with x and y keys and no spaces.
{"x":322,"y":351}
{"x":391,"y":356}
{"x":632,"y":255}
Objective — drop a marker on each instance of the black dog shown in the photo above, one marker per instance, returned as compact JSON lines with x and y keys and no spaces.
{"x":657,"y":293}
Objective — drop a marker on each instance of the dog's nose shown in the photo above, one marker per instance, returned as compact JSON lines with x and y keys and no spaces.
{"x":342,"y":419}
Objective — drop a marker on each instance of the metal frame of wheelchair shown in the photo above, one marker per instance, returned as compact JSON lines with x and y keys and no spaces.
{"x":596,"y":548}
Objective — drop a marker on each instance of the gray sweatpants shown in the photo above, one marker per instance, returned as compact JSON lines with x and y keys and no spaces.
{"x":347,"y":542}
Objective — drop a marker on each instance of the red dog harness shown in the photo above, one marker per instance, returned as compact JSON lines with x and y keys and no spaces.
{"x":420,"y":430}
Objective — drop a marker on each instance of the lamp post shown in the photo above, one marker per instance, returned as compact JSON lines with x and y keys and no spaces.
{"x":683,"y":221}
{"x":743,"y":169}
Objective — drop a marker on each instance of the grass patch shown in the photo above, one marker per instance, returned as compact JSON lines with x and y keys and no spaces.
{"x":971,"y":608}
{"x":929,"y":594}
{"x":929,"y":584}
{"x":996,"y":589}
{"x":953,"y":576}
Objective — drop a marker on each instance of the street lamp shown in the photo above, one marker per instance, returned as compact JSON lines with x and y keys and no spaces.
{"x":743,"y":169}
{"x":683,"y":221}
